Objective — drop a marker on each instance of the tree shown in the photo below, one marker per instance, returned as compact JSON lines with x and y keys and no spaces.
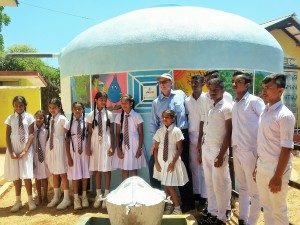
{"x":4,"y":20}
{"x":50,"y":74}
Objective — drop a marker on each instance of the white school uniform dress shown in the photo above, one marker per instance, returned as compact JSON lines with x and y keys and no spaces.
{"x":193,"y":109}
{"x":56,"y":158}
{"x":99,"y":160}
{"x":80,"y":168}
{"x":245,"y":117}
{"x":129,"y":162}
{"x":179,"y":176}
{"x":40,"y":169}
{"x":15,"y":169}
{"x":276,"y":130}
{"x":217,"y":180}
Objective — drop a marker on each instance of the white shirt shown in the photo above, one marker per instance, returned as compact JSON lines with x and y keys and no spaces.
{"x":42,"y":137}
{"x":208,"y":103}
{"x":193,"y":109}
{"x":245,"y":117}
{"x":174,"y":136}
{"x":276,"y":130}
{"x":134,"y":120}
{"x":13,"y":122}
{"x":104,"y":114}
{"x":60,"y":122}
{"x":215,"y":127}
{"x":74,"y":134}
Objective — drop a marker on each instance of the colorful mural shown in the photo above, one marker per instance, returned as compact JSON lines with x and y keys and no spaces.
{"x":143,"y":86}
{"x":114,"y":84}
{"x":182,"y":79}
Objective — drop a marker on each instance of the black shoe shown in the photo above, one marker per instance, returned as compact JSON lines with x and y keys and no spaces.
{"x":187,"y":208}
{"x":242,"y":222}
{"x":229,"y":214}
{"x":204,"y":211}
{"x":208,"y":220}
{"x":203,"y":218}
{"x":220,"y":222}
{"x":197,"y":197}
{"x":202,"y":202}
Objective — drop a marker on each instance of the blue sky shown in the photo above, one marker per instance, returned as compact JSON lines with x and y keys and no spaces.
{"x":49,"y":25}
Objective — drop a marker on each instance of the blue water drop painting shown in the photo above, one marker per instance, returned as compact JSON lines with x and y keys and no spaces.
{"x":114,"y":91}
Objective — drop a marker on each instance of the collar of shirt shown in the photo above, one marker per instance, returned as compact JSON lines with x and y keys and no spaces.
{"x":130,"y":113}
{"x":161,"y":95}
{"x":207,"y":95}
{"x":101,"y":111}
{"x":55,"y":117}
{"x":199,"y":98}
{"x":41,"y":128}
{"x":17,"y":114}
{"x":221,"y":102}
{"x":169,"y":128}
{"x":246,"y":95}
{"x":74,"y":118}
{"x":273,"y":107}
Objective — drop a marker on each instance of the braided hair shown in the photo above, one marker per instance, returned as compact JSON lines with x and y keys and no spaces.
{"x":100,"y":94}
{"x":129,"y":98}
{"x":57,"y":102}
{"x":84,"y":130}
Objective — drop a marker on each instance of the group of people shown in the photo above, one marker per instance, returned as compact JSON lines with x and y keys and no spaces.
{"x":191,"y":140}
{"x":45,"y":145}
{"x":205,"y":126}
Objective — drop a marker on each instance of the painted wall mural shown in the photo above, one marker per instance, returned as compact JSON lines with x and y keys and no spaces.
{"x":143,"y":86}
{"x":182,"y":79}
{"x":114,"y":84}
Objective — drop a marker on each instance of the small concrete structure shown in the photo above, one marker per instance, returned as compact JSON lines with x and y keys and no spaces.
{"x":177,"y":37}
{"x":127,"y":53}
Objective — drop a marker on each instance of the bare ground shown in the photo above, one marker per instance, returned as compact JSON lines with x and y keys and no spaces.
{"x":45,"y":216}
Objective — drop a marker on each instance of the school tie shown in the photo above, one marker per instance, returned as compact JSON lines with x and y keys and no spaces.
{"x":100,"y":131}
{"x":39,"y":147}
{"x":21,"y":129}
{"x":166,"y":146}
{"x":51,"y":134}
{"x":126,"y":134}
{"x":79,"y":137}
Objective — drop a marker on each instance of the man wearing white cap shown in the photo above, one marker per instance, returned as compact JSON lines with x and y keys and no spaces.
{"x":174,"y":100}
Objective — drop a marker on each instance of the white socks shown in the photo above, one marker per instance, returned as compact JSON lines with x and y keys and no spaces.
{"x":76,"y":196}
{"x":98,"y":192}
{"x":56,"y":193}
{"x":29,"y":198}
{"x":106,"y":192}
{"x":66,"y":195}
{"x":18,"y":198}
{"x":83,"y":193}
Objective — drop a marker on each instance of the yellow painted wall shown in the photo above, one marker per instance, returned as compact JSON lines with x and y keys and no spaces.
{"x":290,"y":49}
{"x":32,"y":96}
{"x":25,"y":82}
